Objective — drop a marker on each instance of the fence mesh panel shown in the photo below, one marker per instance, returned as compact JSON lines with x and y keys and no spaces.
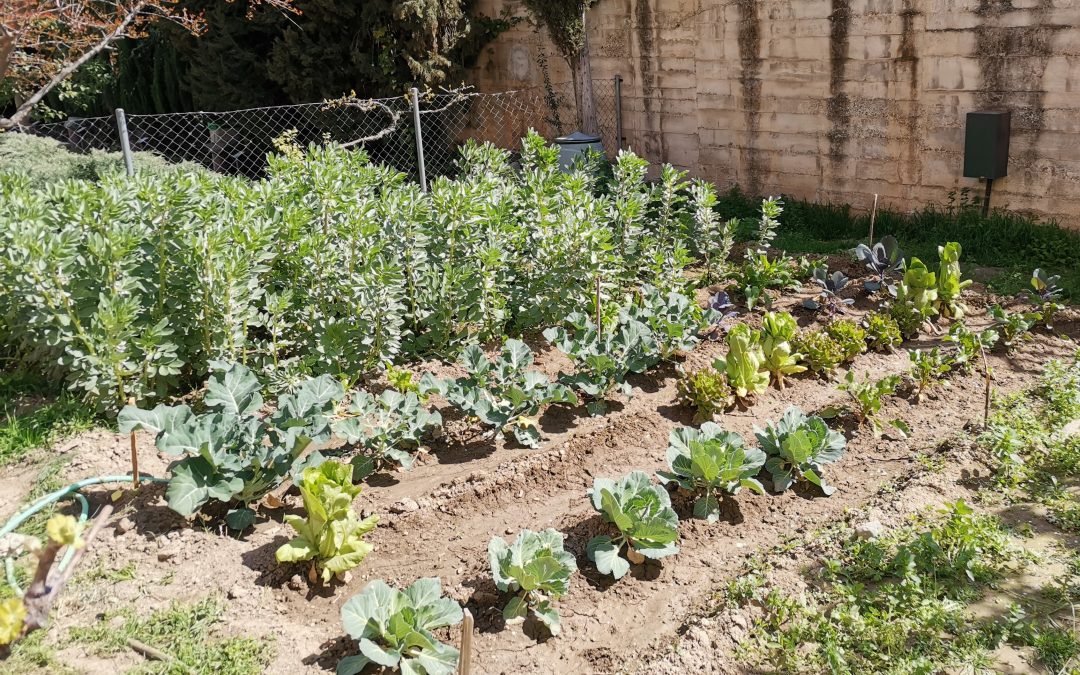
{"x":237,"y":141}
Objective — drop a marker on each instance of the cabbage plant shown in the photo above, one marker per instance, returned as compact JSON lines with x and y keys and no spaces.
{"x":798,"y":446}
{"x":330,"y":534}
{"x":1047,"y":295}
{"x":829,"y":288}
{"x":505,"y":394}
{"x":676,"y":321}
{"x":642,"y":515}
{"x":536,"y":569}
{"x":388,"y":428}
{"x":713,"y":463}
{"x":231,"y":453}
{"x":394,"y":628}
{"x":883,"y":259}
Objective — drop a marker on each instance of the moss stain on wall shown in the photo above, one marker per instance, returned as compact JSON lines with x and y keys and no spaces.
{"x":646,"y":36}
{"x":909,"y":58}
{"x":838,"y":108}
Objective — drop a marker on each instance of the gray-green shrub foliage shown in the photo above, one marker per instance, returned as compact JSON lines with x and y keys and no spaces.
{"x":131,"y":287}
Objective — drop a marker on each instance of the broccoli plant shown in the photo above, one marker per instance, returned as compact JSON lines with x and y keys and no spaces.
{"x":866,"y":399}
{"x":1046,"y":296}
{"x":883,"y":259}
{"x":231,"y":454}
{"x":711,"y":462}
{"x":820,"y":353}
{"x":882,"y":332}
{"x":675,"y":320}
{"x":706,"y":390}
{"x":744,"y":364}
{"x":331,"y":535}
{"x":829,"y":288}
{"x":928,"y":367}
{"x":504,"y":394}
{"x":602,"y":361}
{"x":388,"y":428}
{"x":849,"y":336}
{"x":949,"y":284}
{"x":798,"y":447}
{"x":394,"y":628}
{"x":778,"y":329}
{"x":537,"y":570}
{"x":642,"y":514}
{"x":1013,"y":326}
{"x":969,"y":344}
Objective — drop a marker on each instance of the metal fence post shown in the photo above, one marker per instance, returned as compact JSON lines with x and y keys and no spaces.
{"x":419,"y":139}
{"x":125,"y":143}
{"x":618,"y":114}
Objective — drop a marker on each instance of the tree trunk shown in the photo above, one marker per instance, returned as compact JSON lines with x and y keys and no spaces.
{"x":583,"y":88}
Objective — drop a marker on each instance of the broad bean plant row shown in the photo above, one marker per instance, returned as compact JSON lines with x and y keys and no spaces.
{"x":132,"y":287}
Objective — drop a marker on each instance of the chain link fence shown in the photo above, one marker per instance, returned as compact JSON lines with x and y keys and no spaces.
{"x":238,"y":141}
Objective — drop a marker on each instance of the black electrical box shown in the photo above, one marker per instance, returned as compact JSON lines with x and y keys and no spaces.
{"x":986,"y":144}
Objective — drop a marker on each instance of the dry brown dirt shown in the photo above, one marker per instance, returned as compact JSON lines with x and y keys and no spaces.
{"x":437,"y":519}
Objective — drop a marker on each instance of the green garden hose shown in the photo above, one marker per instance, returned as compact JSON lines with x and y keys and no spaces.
{"x":72,"y":492}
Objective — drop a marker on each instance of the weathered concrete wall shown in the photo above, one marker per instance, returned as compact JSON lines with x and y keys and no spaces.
{"x":834,"y":100}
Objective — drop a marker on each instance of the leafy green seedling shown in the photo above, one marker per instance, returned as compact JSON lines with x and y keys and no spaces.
{"x":970,"y":345}
{"x":642,"y":514}
{"x":710,"y":461}
{"x":867,"y":397}
{"x":882,"y":332}
{"x":537,"y":570}
{"x":388,"y":428}
{"x":849,"y":336}
{"x":505,"y":394}
{"x":1047,"y":296}
{"x":394,"y":628}
{"x":798,"y":447}
{"x":928,"y":367}
{"x":1014,"y":326}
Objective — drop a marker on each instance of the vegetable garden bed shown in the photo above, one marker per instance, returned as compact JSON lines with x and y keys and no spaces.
{"x":525,"y":436}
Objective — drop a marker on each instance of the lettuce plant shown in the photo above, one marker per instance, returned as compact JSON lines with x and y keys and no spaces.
{"x":706,"y":390}
{"x":882,"y":332}
{"x":866,"y":400}
{"x":602,"y":361}
{"x":908,"y":319}
{"x":798,"y":447}
{"x":744,"y":364}
{"x":505,"y":394}
{"x":969,"y":344}
{"x":849,"y":336}
{"x":829,"y":288}
{"x":949,"y":284}
{"x":919,"y":290}
{"x":710,"y":461}
{"x":537,"y":569}
{"x":642,"y":514}
{"x":1047,"y":295}
{"x":394,"y":629}
{"x":230,"y":453}
{"x":778,"y":329}
{"x":388,"y":428}
{"x":1013,"y":326}
{"x":820,"y":353}
{"x":928,"y":367}
{"x":883,"y":259}
{"x":331,"y":535}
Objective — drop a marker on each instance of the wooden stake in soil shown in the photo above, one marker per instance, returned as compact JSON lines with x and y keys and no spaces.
{"x":465,"y":660}
{"x":134,"y":455}
{"x":873,"y":217}
{"x":599,"y":319}
{"x":986,"y":374}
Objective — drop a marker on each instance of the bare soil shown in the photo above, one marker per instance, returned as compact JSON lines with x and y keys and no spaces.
{"x":437,"y":519}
